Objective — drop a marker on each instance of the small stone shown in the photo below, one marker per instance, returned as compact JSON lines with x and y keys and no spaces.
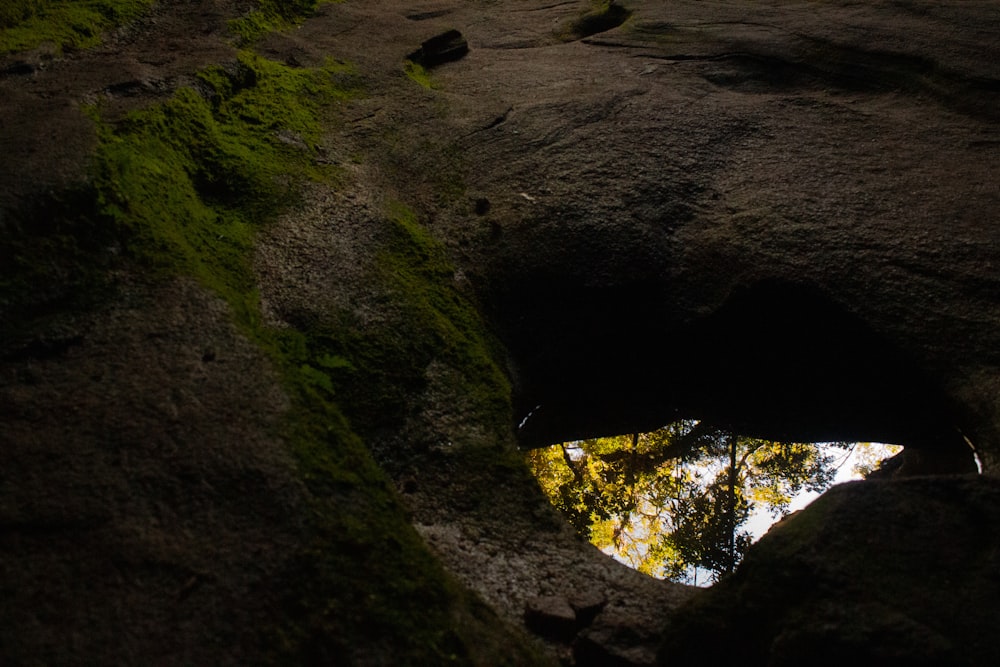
{"x":440,"y":49}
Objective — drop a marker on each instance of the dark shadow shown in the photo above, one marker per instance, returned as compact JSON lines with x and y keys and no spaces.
{"x":778,"y":361}
{"x":607,"y":17}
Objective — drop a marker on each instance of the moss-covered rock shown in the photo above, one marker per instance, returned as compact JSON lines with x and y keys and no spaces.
{"x":25,"y":24}
{"x":180,"y":190}
{"x":178,"y":187}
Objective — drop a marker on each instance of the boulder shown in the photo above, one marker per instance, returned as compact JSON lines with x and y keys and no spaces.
{"x":891,"y":572}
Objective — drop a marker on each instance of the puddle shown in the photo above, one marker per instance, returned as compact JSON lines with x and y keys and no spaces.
{"x":685,"y":502}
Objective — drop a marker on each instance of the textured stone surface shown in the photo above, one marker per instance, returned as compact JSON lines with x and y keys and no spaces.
{"x":898,"y":573}
{"x":550,"y":616}
{"x":142,"y":489}
{"x":778,"y":216}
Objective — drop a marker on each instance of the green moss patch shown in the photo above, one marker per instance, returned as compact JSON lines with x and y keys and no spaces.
{"x":187,"y":184}
{"x":369,"y":580}
{"x":25,"y":24}
{"x":77,"y":24}
{"x":271,"y":15}
{"x":418,"y":74}
{"x":431,"y":322}
{"x":417,"y":266}
{"x":366,"y":579}
{"x":180,"y":187}
{"x":376,"y":374}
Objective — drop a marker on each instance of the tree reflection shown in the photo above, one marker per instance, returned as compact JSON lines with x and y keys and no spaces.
{"x":674,"y":503}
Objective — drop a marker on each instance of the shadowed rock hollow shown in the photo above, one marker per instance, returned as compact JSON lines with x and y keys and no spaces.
{"x":286,"y":430}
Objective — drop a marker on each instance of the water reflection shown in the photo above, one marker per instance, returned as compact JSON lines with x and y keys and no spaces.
{"x":686,"y":501}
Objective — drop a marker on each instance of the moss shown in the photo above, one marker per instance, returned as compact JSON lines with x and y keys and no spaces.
{"x":369,"y":580}
{"x":432,"y":321}
{"x":190,"y":181}
{"x":366,"y":579}
{"x":14,"y":12}
{"x":183,"y":188}
{"x":271,"y":15}
{"x":407,"y":603}
{"x":419,"y":74}
{"x":26,"y":24}
{"x":418,"y":266}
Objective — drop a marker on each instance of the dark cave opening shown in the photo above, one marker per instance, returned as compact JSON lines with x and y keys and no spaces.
{"x":776,"y":360}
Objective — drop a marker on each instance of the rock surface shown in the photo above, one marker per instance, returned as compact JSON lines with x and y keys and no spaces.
{"x":551,"y":616}
{"x":890,"y":573}
{"x":143,"y":490}
{"x":781,"y":217}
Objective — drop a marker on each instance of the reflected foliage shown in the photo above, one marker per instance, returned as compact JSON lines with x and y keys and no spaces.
{"x":674,"y":503}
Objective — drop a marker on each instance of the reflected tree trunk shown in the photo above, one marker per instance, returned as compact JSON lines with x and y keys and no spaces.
{"x":731,"y":509}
